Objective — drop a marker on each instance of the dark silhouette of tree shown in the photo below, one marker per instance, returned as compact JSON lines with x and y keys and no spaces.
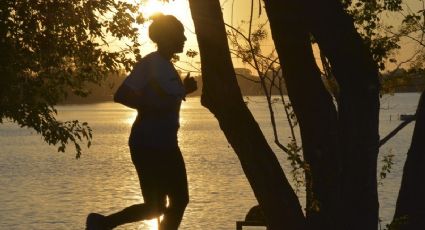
{"x":410,"y":208}
{"x":341,"y":145}
{"x":313,"y":106}
{"x":221,"y":95}
{"x":358,"y":106}
{"x":49,"y":47}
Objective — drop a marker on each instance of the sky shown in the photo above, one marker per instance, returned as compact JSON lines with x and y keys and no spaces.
{"x":180,"y":9}
{"x":234,"y":12}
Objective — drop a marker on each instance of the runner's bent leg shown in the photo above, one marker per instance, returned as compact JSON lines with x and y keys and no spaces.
{"x":177,"y":191}
{"x":151,"y":178}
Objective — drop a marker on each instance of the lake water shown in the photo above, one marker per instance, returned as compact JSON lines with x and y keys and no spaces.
{"x":43,"y":189}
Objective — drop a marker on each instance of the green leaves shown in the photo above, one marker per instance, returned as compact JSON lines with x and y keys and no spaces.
{"x":50,"y":48}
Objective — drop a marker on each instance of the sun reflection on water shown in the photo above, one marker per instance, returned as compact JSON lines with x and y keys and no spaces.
{"x":152,"y":224}
{"x":136,"y":198}
{"x":149,"y":224}
{"x":131,"y":116}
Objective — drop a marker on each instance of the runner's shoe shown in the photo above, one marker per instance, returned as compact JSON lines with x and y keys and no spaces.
{"x":95,"y":221}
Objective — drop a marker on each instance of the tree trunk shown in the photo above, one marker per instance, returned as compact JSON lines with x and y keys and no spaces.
{"x":410,"y":209}
{"x":221,"y":95}
{"x":358,"y":108}
{"x":313,"y":107}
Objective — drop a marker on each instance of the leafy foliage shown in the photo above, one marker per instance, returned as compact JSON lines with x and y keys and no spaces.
{"x":50,"y":46}
{"x":297,"y":163}
{"x":191,"y":53}
{"x":413,"y":28}
{"x":387,"y":163}
{"x":368,"y":18}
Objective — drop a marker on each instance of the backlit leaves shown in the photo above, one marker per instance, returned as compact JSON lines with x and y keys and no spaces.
{"x":51,"y":47}
{"x":367,"y":16}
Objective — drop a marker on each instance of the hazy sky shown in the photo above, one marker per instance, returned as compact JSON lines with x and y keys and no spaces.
{"x":180,"y":9}
{"x":234,"y":12}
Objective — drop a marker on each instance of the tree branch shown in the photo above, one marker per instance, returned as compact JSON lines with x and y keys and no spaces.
{"x":396,"y":130}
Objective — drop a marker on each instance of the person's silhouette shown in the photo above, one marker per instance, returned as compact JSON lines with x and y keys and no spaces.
{"x":154,"y":88}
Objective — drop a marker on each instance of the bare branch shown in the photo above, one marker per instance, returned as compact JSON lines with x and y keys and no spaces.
{"x":396,"y":130}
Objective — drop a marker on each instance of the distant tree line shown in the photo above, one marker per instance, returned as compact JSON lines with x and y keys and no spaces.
{"x":249,"y":84}
{"x":400,"y":81}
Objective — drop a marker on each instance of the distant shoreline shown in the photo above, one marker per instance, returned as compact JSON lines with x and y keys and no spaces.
{"x":88,"y":100}
{"x":249,"y":86}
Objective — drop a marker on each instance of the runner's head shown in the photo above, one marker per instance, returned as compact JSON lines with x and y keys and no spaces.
{"x":168,"y":33}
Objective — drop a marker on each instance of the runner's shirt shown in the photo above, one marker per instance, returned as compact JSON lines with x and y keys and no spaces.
{"x":161,"y":91}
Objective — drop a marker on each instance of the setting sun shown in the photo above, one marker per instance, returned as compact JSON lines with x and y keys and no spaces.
{"x":177,"y":8}
{"x":152,"y":7}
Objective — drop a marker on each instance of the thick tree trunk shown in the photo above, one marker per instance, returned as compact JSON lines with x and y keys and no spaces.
{"x":221,"y":95}
{"x":358,"y":108}
{"x":313,"y":107}
{"x":410,"y":209}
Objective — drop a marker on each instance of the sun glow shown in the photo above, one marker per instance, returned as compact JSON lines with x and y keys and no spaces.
{"x":152,"y":224}
{"x":131,"y":117}
{"x":152,"y":7}
{"x":177,"y":8}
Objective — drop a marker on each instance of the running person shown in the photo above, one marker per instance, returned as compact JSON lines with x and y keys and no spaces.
{"x":154,"y":88}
